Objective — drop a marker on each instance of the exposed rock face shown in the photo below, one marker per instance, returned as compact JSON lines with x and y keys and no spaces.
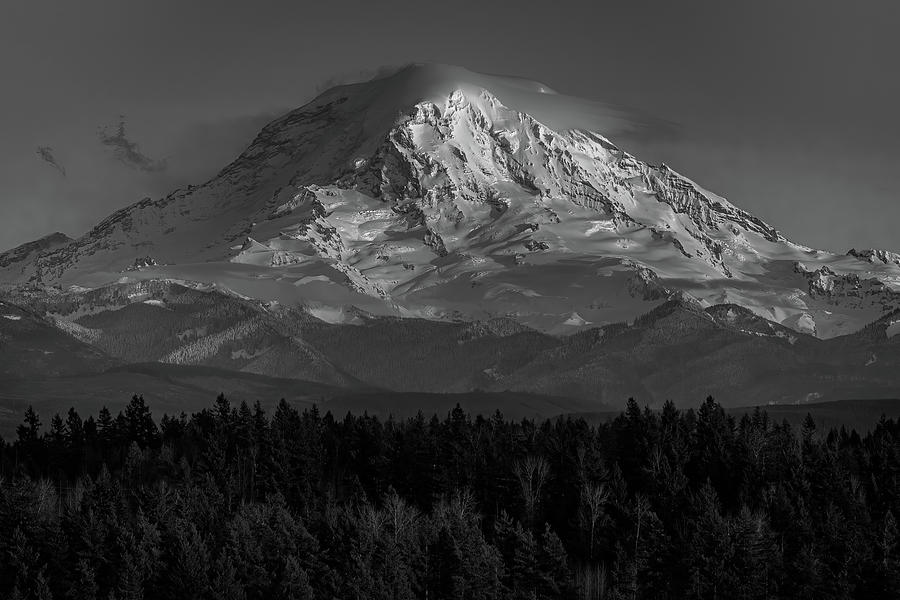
{"x":849,"y":289}
{"x":22,"y":254}
{"x":876,"y":256}
{"x":142,"y":263}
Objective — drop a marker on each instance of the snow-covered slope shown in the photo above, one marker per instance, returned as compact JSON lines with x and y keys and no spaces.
{"x":442,"y":193}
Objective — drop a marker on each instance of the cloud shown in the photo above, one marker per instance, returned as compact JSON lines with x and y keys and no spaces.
{"x":194,"y":153}
{"x":46,"y":154}
{"x":647,"y":129}
{"x":360,"y":76}
{"x":127,"y":151}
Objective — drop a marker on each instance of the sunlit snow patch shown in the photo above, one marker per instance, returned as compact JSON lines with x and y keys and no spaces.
{"x":893,"y":329}
{"x":575,"y":320}
{"x":12,"y":317}
{"x":596,"y":226}
{"x":243,"y":353}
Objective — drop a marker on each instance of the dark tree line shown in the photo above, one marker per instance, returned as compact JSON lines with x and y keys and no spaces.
{"x":232,"y":503}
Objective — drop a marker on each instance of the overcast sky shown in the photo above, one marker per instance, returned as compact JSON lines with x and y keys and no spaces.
{"x":787,"y":108}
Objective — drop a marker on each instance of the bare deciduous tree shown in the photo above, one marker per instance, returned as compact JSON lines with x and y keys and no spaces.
{"x":593,"y":497}
{"x":641,"y":508}
{"x":401,"y":517}
{"x":532,"y":474}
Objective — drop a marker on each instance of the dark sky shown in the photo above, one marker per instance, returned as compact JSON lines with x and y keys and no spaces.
{"x":788,"y":108}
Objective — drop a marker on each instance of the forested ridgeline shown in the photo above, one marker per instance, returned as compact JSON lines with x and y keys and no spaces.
{"x":234,"y":503}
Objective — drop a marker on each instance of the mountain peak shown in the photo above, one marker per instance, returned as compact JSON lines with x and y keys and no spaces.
{"x":384,"y":97}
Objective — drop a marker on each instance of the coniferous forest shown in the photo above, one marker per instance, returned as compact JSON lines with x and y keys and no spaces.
{"x":234,"y":503}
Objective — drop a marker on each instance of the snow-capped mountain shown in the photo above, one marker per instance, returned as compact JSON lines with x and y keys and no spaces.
{"x":442,"y":193}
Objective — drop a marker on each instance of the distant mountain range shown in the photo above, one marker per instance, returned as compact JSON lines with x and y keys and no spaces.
{"x":442,"y":231}
{"x":678,"y":350}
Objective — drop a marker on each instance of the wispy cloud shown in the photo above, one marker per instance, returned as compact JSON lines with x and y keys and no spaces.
{"x":358,"y":76}
{"x":127,"y":151}
{"x":46,"y":154}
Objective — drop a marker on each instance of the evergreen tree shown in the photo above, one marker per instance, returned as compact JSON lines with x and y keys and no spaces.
{"x":106,"y":428}
{"x":553,"y":568}
{"x":139,"y":424}
{"x":30,"y":429}
{"x":84,"y":586}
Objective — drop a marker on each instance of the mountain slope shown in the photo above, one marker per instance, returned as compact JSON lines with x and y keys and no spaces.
{"x":163,"y":321}
{"x":31,"y":346}
{"x":680,"y":351}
